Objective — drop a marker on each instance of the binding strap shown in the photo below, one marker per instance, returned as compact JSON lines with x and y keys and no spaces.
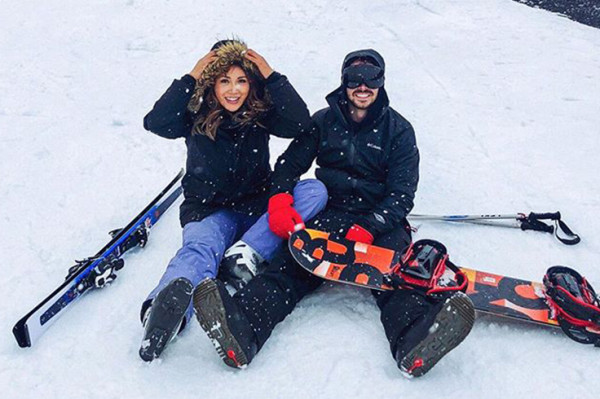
{"x":423,"y":265}
{"x":574,"y":304}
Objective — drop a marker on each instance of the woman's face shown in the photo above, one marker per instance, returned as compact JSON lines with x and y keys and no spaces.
{"x":232,"y":88}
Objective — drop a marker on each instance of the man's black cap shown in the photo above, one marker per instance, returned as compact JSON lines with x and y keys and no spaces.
{"x":368,"y":54}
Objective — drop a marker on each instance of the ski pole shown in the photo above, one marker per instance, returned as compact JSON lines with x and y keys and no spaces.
{"x":533,"y":221}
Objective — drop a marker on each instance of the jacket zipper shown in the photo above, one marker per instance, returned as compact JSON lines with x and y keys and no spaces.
{"x":237,"y":150}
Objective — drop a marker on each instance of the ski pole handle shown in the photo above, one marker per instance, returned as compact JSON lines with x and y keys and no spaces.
{"x":534,"y":222}
{"x":544,"y":216}
{"x":536,"y":225}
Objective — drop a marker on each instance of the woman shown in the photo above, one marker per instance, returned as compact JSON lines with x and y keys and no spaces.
{"x":225,"y":108}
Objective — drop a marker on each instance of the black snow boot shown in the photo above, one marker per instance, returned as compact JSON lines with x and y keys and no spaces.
{"x":224,"y":323}
{"x":431,"y":337}
{"x":165,"y":317}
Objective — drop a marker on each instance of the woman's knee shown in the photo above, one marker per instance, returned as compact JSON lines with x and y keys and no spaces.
{"x":217,"y":234}
{"x":313,"y":189}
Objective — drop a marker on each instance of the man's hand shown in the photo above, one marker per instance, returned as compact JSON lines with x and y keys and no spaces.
{"x":283,"y":218}
{"x":359,"y":234}
{"x":202,"y":64}
{"x":260,"y":62}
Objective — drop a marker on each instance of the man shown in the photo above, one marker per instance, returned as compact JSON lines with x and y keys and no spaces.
{"x":368,"y":160}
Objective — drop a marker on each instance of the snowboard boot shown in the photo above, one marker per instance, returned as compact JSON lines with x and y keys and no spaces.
{"x":164,"y":319}
{"x":435,"y":334}
{"x":224,"y":323}
{"x":240,"y":264}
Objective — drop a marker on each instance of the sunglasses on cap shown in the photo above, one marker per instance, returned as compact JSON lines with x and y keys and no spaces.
{"x":355,"y":75}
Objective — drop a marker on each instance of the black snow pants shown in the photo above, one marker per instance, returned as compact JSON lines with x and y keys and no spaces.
{"x":269,"y":297}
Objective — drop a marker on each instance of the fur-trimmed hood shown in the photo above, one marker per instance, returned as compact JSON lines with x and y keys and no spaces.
{"x":229,"y":52}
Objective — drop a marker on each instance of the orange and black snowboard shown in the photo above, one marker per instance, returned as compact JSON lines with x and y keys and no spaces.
{"x":368,"y":266}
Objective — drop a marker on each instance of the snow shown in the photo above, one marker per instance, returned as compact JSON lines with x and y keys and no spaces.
{"x":505,"y":101}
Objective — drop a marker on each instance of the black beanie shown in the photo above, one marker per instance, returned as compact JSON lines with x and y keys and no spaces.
{"x":369,"y":54}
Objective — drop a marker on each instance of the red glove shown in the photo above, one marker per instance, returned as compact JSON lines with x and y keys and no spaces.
{"x":283,"y":218}
{"x":359,"y":234}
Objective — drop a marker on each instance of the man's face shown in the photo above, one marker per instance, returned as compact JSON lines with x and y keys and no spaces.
{"x":361,"y":97}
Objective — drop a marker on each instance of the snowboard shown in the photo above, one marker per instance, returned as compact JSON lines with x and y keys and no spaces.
{"x":369,"y":266}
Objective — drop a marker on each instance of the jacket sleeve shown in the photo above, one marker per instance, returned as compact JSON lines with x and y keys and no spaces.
{"x":401,"y":185}
{"x":295,"y":161}
{"x":170,"y":117}
{"x":290,"y":116}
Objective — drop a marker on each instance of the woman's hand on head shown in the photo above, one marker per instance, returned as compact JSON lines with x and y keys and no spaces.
{"x":260,"y":62}
{"x":202,"y":64}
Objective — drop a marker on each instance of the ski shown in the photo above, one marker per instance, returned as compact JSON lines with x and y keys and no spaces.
{"x":96,"y":271}
{"x":373,"y":267}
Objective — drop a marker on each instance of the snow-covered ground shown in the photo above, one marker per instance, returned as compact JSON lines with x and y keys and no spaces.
{"x":505,"y":101}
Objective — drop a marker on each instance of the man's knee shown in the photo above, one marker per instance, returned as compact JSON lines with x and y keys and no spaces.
{"x":397,"y":239}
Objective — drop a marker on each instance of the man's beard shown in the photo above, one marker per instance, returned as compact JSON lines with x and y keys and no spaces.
{"x":360,"y":106}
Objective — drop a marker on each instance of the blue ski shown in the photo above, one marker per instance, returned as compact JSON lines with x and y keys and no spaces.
{"x":96,"y":271}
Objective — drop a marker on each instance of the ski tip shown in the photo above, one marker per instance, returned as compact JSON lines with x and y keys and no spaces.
{"x":21,"y":334}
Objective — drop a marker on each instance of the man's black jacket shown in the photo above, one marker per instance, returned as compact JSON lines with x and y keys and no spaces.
{"x":233,"y":171}
{"x":370,"y":170}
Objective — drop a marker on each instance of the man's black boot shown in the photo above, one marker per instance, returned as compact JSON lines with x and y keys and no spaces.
{"x":441,"y":329}
{"x":224,"y":323}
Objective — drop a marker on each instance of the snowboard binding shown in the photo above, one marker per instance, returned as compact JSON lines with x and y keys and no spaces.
{"x":574,"y":304}
{"x":423,"y":265}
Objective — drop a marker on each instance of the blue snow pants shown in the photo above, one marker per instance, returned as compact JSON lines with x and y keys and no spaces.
{"x":205,"y":241}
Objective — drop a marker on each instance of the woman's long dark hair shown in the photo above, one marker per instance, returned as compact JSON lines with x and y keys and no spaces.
{"x":211,"y":112}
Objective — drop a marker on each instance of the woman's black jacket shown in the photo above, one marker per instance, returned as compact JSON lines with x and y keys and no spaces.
{"x":233,"y":171}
